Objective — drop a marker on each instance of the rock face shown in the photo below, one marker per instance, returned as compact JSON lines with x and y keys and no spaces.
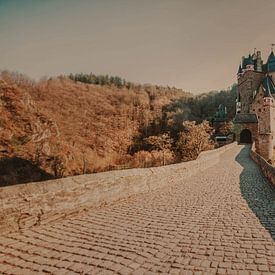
{"x":31,"y":204}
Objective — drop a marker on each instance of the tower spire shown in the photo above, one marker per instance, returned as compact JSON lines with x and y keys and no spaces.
{"x":240,"y":69}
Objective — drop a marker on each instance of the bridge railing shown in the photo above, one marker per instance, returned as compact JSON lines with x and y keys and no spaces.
{"x":26,"y":205}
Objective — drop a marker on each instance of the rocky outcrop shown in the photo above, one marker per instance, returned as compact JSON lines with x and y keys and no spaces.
{"x":26,"y":205}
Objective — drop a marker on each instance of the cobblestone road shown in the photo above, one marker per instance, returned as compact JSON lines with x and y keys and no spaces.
{"x":220,"y":222}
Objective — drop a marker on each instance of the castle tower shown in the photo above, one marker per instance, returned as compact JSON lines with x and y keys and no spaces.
{"x":265,"y":147}
{"x":264,"y":108}
{"x":249,"y":63}
{"x":255,"y":104}
{"x":249,"y":80}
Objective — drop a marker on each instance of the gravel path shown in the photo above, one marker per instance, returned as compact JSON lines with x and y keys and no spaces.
{"x":220,"y":222}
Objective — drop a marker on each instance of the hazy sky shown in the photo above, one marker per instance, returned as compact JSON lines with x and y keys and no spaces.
{"x":191,"y":44}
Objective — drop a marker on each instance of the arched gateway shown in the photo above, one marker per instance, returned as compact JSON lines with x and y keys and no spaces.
{"x":245,"y":136}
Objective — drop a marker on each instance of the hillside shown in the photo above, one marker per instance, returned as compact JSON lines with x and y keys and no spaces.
{"x":60,"y":127}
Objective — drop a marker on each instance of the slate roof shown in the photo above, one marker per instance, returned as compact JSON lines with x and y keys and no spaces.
{"x":240,"y":69}
{"x":270,"y":64}
{"x":271,"y":57}
{"x":250,"y":60}
{"x":219,"y":119}
{"x":245,"y":118}
{"x":269,"y":86}
{"x":247,"y":61}
{"x":264,"y":68}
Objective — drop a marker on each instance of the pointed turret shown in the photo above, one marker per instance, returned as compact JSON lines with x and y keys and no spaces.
{"x":240,"y":71}
{"x":269,"y":86}
{"x":271,"y":56}
{"x":270,"y":65}
{"x":249,"y":63}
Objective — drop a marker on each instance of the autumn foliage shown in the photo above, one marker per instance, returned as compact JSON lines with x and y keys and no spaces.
{"x":194,"y":139}
{"x":60,"y":127}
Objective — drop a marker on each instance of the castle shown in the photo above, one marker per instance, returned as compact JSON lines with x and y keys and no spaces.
{"x":255,"y":104}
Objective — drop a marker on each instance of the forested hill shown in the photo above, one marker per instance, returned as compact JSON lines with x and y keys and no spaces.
{"x":60,"y":127}
{"x":198,"y":108}
{"x":204,"y":106}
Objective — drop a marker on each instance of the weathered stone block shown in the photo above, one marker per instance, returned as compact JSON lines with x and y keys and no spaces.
{"x":27,"y":205}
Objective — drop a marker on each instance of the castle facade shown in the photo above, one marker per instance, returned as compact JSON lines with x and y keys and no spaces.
{"x":255,"y":103}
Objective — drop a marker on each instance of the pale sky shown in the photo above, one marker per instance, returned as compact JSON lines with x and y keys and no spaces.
{"x":195,"y":45}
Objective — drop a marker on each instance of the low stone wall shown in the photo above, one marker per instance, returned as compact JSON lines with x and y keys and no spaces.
{"x":267,"y":169}
{"x":26,"y":205}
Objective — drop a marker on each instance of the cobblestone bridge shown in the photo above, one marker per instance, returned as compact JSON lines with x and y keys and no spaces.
{"x":220,"y":222}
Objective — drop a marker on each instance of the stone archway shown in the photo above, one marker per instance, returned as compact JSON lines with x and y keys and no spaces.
{"x":245,"y":136}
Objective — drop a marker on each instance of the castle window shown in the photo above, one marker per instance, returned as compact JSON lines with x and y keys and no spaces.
{"x":260,"y":110}
{"x":258,"y":117}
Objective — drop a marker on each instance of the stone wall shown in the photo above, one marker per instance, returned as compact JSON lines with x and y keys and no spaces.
{"x":252,"y":127}
{"x":267,"y":169}
{"x":26,"y":205}
{"x":247,"y":84}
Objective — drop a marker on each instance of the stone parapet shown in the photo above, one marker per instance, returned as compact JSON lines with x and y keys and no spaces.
{"x":26,"y":205}
{"x":267,"y":169}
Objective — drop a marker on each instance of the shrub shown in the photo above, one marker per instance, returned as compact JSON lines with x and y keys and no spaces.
{"x":194,"y":139}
